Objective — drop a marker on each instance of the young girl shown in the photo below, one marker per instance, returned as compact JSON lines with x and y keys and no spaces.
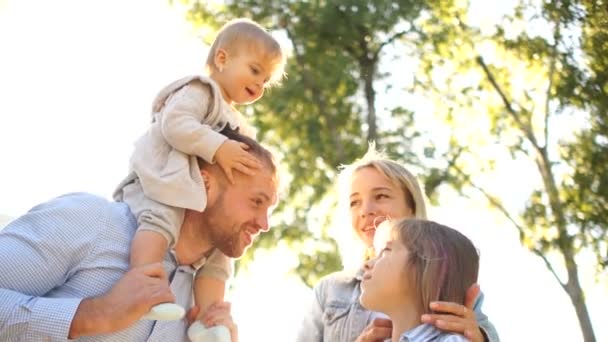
{"x":419,"y":262}
{"x":188,"y":116}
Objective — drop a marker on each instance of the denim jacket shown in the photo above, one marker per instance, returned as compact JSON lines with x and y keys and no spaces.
{"x":337,"y":316}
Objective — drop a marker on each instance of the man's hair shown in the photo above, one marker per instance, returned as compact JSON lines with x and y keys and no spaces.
{"x":246,"y":36}
{"x":255,"y":148}
{"x":444,"y":262}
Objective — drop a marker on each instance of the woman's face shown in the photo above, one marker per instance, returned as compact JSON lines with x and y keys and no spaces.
{"x":373,"y":197}
{"x":386,"y":284}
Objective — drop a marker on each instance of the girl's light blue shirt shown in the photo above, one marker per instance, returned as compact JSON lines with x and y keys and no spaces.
{"x":336,"y":315}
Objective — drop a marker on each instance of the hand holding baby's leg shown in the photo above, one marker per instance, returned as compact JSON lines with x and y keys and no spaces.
{"x":216,"y":325}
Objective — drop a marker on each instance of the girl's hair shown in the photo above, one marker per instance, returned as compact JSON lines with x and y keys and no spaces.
{"x":443,"y":262}
{"x":396,"y":173}
{"x":246,"y":36}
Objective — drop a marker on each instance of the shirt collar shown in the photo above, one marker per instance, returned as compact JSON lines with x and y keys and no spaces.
{"x":422,"y":332}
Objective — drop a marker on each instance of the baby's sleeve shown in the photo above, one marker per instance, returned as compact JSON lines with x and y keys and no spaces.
{"x":185,"y":123}
{"x":218,"y":266}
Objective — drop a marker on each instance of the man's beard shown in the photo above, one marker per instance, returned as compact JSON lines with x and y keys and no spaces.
{"x":222,"y":236}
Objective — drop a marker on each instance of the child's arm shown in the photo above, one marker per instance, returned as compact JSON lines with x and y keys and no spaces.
{"x":183,"y":122}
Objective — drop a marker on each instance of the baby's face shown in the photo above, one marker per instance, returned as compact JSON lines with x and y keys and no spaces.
{"x":245,"y":76}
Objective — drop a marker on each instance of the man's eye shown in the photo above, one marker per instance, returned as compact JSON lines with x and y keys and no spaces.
{"x":254,"y":71}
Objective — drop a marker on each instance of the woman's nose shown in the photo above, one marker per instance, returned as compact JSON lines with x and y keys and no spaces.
{"x":367,"y":208}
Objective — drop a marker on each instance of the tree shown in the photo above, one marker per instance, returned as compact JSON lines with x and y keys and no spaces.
{"x":521,"y":83}
{"x":316,"y":119}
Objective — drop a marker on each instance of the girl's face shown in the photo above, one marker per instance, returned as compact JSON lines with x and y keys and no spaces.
{"x":386,"y":284}
{"x":373,"y":198}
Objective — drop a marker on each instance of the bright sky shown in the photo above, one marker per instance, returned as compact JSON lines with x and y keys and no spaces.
{"x":76,"y":82}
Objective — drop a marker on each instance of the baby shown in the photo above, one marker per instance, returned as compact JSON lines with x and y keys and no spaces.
{"x":187,"y":119}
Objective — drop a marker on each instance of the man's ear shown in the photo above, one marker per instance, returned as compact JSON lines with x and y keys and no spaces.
{"x":207,"y":181}
{"x":211,"y":184}
{"x":220,"y":58}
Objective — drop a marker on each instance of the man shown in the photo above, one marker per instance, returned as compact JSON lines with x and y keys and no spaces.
{"x":65,"y":264}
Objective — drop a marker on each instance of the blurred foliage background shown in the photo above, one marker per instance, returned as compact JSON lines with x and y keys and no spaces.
{"x":501,"y":93}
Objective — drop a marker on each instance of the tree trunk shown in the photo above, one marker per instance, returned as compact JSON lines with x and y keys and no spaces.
{"x":572,"y":287}
{"x":367,"y":72}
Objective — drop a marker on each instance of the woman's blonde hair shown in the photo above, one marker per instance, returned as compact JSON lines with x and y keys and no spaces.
{"x":444,"y":263}
{"x":392,"y":170}
{"x":246,"y":36}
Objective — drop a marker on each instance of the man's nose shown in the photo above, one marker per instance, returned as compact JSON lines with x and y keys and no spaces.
{"x":263,"y":223}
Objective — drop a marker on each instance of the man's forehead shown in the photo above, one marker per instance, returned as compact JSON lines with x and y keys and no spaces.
{"x":264,"y":184}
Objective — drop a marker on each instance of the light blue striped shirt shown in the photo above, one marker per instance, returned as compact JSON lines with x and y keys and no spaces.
{"x":73,"y":247}
{"x":428,"y":333}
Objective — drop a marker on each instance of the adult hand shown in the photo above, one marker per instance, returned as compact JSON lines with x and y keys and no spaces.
{"x":192,"y":314}
{"x":456,"y":317}
{"x":128,"y":300}
{"x":233,"y":155}
{"x":378,"y":330}
{"x":219,"y":314}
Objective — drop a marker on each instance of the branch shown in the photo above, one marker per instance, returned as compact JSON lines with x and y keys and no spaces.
{"x":497,"y":205}
{"x":493,"y":201}
{"x":550,"y":267}
{"x":556,"y":36}
{"x":389,"y":41}
{"x":507,"y":104}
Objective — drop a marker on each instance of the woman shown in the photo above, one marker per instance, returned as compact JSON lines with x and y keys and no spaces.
{"x":378,"y":188}
{"x":418,"y":262}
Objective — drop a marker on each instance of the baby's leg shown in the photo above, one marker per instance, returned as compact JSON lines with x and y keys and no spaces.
{"x":158,"y":230}
{"x":147,"y":247}
{"x":208,"y":291}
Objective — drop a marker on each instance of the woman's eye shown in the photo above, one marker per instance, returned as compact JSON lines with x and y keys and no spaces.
{"x":353,"y":203}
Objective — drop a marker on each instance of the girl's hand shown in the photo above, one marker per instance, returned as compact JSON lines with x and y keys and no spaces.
{"x":456,"y":317}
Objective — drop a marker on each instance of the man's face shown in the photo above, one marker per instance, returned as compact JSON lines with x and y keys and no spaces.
{"x":241,"y":212}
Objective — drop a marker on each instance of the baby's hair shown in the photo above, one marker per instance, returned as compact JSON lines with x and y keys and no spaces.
{"x":246,"y":36}
{"x":444,"y":263}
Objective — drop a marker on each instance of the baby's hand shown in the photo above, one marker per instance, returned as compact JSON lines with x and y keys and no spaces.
{"x":233,"y":155}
